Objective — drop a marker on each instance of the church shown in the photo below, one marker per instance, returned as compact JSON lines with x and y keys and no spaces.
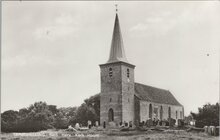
{"x":124,"y":100}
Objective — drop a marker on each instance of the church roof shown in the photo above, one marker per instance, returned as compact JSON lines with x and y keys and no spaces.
{"x":117,"y":52}
{"x":153,"y":94}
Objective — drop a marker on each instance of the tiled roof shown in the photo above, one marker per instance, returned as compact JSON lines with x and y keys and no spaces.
{"x":152,"y":94}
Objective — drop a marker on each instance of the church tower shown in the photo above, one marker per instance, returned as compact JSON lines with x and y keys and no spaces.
{"x":117,"y":84}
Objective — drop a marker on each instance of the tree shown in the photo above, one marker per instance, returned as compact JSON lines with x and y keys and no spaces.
{"x":61,"y":121}
{"x":9,"y":120}
{"x":69,"y":115}
{"x":89,"y":110}
{"x":207,"y":115}
{"x":94,"y":102}
{"x":85,"y":113}
{"x":34,"y":118}
{"x":40,"y":117}
{"x":53,"y":109}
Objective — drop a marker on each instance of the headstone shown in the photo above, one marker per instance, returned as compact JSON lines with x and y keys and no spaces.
{"x":120,"y":124}
{"x":130,"y":124}
{"x":206,"y":129}
{"x":209,"y":130}
{"x":164,"y":123}
{"x":104,"y":124}
{"x":160,"y":122}
{"x":212,"y":130}
{"x":171,"y":121}
{"x":89,"y":124}
{"x":126,"y":124}
{"x":217,"y":130}
{"x":96,"y":123}
{"x":77,"y":126}
{"x":149,"y":123}
{"x":154,"y":122}
{"x":180,"y":123}
{"x":142,"y":124}
{"x":70,"y":127}
{"x":112,"y":124}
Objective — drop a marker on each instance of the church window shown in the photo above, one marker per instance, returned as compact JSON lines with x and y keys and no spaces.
{"x":128,"y":73}
{"x":169,"y":112}
{"x":161,"y":113}
{"x":150,"y":111}
{"x":110,"y":72}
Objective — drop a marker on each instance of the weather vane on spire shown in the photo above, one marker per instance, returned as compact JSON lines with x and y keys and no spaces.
{"x":116,"y":6}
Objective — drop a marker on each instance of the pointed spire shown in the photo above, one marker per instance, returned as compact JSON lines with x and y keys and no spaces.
{"x":117,"y":52}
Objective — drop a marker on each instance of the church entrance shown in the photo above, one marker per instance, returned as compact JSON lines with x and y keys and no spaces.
{"x":110,"y":115}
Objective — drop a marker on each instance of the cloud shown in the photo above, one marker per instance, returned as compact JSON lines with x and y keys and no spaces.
{"x":34,"y":60}
{"x":159,"y":22}
{"x":164,"y":21}
{"x":140,"y":27}
{"x":63,"y":25}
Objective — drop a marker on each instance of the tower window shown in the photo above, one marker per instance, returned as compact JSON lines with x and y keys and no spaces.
{"x":110,"y":72}
{"x":128,"y":73}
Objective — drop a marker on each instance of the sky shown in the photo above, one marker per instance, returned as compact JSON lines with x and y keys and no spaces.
{"x":51,"y":50}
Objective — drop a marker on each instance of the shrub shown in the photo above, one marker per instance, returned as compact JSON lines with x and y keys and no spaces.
{"x":207,"y":115}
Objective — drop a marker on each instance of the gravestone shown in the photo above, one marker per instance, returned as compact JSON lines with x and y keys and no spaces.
{"x":149,"y":123}
{"x":206,"y":129}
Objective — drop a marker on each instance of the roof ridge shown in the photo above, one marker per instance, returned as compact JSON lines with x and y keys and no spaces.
{"x":152,"y":86}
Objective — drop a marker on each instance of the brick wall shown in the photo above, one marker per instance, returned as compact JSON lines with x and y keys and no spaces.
{"x":144,"y":110}
{"x":127,"y":94}
{"x":119,"y":90}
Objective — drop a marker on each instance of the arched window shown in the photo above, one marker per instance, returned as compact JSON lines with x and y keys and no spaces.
{"x":110,"y":72}
{"x":110,"y":115}
{"x":169,"y":112}
{"x":128,"y":73}
{"x":161,"y":113}
{"x":150,"y":111}
{"x":110,"y":100}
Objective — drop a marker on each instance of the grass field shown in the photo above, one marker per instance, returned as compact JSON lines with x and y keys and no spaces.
{"x":108,"y":135}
